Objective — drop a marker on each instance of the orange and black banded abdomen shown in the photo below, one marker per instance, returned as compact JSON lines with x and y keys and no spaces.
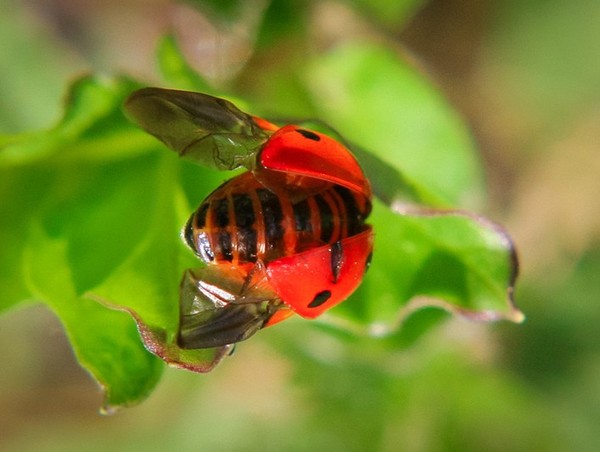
{"x":243,"y":221}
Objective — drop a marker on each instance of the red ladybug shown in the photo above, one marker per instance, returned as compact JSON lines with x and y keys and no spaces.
{"x":287,"y":236}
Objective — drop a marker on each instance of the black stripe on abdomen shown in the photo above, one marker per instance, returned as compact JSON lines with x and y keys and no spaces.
{"x":272,"y":218}
{"x":326,"y":216}
{"x":354,"y":217}
{"x":200,"y":220}
{"x":302,"y":217}
{"x":224,"y":246}
{"x":246,"y":234}
{"x":243,"y":211}
{"x":247,"y":244}
{"x":221,"y":212}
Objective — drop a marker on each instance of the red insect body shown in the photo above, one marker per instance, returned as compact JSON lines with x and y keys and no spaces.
{"x":288,"y":236}
{"x":312,"y":282}
{"x":300,"y":152}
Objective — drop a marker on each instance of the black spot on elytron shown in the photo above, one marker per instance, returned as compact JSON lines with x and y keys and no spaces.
{"x":243,"y":210}
{"x":224,"y":245}
{"x":201,"y":216}
{"x":247,"y":244}
{"x":222,"y":212}
{"x":272,"y":217}
{"x":320,"y":298}
{"x":337,"y":258}
{"x":368,"y":262}
{"x":302,"y":216}
{"x":308,"y":134}
{"x":326,"y":215}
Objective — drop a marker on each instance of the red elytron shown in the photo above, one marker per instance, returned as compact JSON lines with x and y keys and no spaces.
{"x":287,"y":236}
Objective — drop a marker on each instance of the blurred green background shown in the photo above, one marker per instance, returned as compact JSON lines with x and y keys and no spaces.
{"x":526,"y":78}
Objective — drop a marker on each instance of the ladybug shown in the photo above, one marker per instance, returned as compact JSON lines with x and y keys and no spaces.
{"x":287,"y":236}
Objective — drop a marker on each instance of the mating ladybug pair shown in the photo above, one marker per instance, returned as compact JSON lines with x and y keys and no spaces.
{"x":287,"y":236}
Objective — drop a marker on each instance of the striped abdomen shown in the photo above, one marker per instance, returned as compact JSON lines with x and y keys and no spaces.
{"x":242,"y":221}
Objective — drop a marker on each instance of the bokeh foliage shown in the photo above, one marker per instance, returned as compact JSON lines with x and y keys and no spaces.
{"x":105,"y":203}
{"x":110,"y":206}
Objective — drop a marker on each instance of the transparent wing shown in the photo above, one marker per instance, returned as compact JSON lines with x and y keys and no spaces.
{"x":222,"y":305}
{"x":207,"y":130}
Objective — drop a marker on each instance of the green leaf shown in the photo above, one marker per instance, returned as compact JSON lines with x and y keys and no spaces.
{"x":451,"y":260}
{"x":40,"y":172}
{"x":106,"y":342}
{"x":76,"y":210}
{"x":93,"y":127}
{"x":18,"y":204}
{"x":377,"y":100}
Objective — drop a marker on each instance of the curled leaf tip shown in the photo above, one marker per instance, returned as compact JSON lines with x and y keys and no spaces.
{"x":161,"y":343}
{"x":494,"y":238}
{"x":516,"y":316}
{"x":483,"y":315}
{"x":158,"y":342}
{"x":108,"y":409}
